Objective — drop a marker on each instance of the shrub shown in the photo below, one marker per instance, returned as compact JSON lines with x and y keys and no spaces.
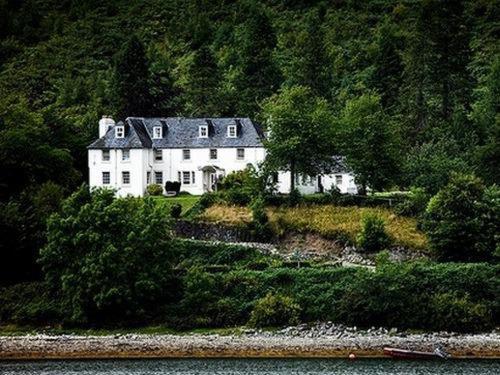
{"x":154,"y":189}
{"x":294,"y":198}
{"x":175,"y":210}
{"x":173,"y":186}
{"x":453,"y":312}
{"x":260,"y":221}
{"x":274,"y":311}
{"x":238,"y":197}
{"x":373,"y":236}
{"x":460,"y":220}
{"x":414,"y":204}
{"x":109,"y":258}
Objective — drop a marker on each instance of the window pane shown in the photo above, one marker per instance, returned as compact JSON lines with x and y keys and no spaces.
{"x":148,"y":177}
{"x":213,"y":153}
{"x":159,"y":178}
{"x":186,"y":154}
{"x":338,"y":179}
{"x":105,"y":155}
{"x":186,"y":178}
{"x":192,"y":178}
{"x":105,"y":178}
{"x":126,"y":178}
{"x":158,"y":155}
{"x":240,"y":153}
{"x":157,"y":132}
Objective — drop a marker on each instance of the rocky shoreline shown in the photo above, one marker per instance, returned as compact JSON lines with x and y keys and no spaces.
{"x":322,"y":340}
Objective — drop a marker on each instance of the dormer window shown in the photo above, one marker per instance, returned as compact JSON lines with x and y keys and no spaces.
{"x":203,"y":131}
{"x":157,"y":132}
{"x":120,"y":132}
{"x":231,"y":131}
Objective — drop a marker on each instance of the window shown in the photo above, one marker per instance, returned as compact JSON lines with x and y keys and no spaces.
{"x":186,"y":154}
{"x":203,"y":131}
{"x":338,"y":179}
{"x":120,"y":132}
{"x":125,"y":155}
{"x":105,"y":155}
{"x":125,"y":178}
{"x":157,"y":132}
{"x":186,"y":178}
{"x":213,"y":153}
{"x":179,"y":176}
{"x":159,"y":178}
{"x":148,"y":178}
{"x":231,"y":131}
{"x":240,"y":153}
{"x":158,"y":155}
{"x":106,"y":178}
{"x":192,"y":178}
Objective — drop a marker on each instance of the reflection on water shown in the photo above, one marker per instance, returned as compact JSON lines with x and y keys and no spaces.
{"x":251,"y":366}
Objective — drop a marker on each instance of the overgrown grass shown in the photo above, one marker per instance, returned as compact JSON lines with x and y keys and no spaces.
{"x":186,"y":201}
{"x":327,"y":220}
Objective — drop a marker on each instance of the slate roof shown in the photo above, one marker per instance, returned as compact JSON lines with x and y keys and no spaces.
{"x":181,"y":132}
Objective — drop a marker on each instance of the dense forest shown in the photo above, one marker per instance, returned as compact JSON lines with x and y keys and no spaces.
{"x":427,"y":72}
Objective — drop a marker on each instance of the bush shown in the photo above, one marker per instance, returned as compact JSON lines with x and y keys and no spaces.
{"x":110,"y":259}
{"x":294,"y":198}
{"x":238,"y":197}
{"x":373,"y":236}
{"x":414,"y":204}
{"x":274,"y":311}
{"x":260,"y":221}
{"x":453,"y":312}
{"x":154,"y":189}
{"x":460,"y":220}
{"x":175,"y":210}
{"x":173,"y":186}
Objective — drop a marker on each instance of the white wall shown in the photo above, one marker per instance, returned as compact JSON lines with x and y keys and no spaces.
{"x":115,"y":166}
{"x":142,"y":161}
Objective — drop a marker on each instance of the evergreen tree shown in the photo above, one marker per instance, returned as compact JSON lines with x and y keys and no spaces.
{"x":130,"y":80}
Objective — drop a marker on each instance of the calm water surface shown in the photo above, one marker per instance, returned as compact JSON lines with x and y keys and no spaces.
{"x":250,"y":366}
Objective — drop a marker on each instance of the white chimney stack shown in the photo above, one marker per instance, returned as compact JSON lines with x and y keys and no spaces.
{"x":105,"y":124}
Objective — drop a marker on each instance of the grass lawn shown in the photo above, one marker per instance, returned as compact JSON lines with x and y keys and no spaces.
{"x":186,"y":201}
{"x":327,"y":220}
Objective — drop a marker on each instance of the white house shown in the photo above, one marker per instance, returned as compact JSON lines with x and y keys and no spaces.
{"x":196,"y":152}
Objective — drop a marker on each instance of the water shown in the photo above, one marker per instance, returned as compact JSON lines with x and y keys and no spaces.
{"x":250,"y":367}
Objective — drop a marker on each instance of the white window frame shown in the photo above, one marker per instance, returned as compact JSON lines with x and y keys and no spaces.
{"x":120,"y":131}
{"x":106,"y":155}
{"x":337,"y":178}
{"x":186,"y":152}
{"x":203,"y":131}
{"x":238,"y":157}
{"x":126,"y":154}
{"x":108,"y":178}
{"x":215,"y":154}
{"x":158,"y":154}
{"x":232,"y":131}
{"x":158,"y":173}
{"x":157,"y":132}
{"x":125,"y":176}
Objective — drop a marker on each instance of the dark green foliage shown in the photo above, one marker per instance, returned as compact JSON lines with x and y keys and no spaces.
{"x":461,"y":220}
{"x":260,"y":221}
{"x":175,"y":210}
{"x":274,"y":311}
{"x":108,"y":258}
{"x":294,"y":198}
{"x":130,"y":80}
{"x":414,"y":204}
{"x":373,"y":236}
{"x":370,"y":143}
{"x":154,"y":189}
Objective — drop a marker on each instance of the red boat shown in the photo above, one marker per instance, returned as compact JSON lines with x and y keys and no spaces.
{"x":414,"y":354}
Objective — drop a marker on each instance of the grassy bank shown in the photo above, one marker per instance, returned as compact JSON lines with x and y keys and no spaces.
{"x":186,"y":202}
{"x":326,"y":220}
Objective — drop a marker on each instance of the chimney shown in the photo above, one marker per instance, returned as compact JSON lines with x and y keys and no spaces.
{"x":105,"y":124}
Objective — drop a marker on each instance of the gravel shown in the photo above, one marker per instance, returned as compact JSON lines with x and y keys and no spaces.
{"x":319,"y":340}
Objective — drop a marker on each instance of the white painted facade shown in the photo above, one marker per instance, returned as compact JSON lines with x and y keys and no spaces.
{"x":129,"y":171}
